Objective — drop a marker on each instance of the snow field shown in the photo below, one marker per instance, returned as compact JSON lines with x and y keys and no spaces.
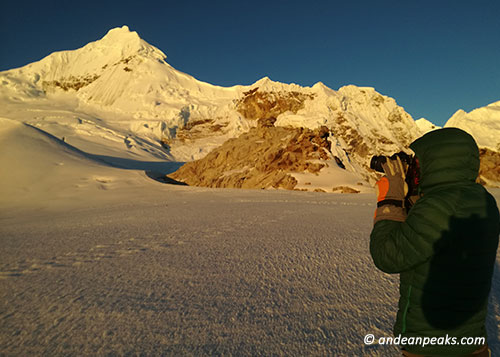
{"x":188,"y":271}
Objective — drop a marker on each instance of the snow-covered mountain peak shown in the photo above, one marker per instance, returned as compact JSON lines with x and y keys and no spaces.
{"x":459,"y":113}
{"x":126,"y":43}
{"x":266,"y":84}
{"x":351,"y":90}
{"x":425,"y":125}
{"x":319,"y":85}
{"x":120,"y":50}
{"x":119,"y":73}
{"x":482,"y":123}
{"x":118,"y":45}
{"x":263,"y":81}
{"x":120,"y":32}
{"x":121,"y":44}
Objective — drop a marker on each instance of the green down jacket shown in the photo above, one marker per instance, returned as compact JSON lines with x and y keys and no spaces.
{"x":445,"y":249}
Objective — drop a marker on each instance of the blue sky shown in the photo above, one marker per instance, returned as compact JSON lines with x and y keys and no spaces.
{"x":433,"y":57}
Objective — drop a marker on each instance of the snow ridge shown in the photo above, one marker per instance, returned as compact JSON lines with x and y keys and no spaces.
{"x":482,"y":123}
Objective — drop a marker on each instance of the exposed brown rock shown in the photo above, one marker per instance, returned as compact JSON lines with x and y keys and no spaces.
{"x":344,"y":189}
{"x":71,"y":82}
{"x":260,"y":158}
{"x":165,"y":143}
{"x":355,"y":143}
{"x":266,"y":122}
{"x":190,"y":125}
{"x":260,"y":104}
{"x":199,"y":129}
{"x":489,"y":169}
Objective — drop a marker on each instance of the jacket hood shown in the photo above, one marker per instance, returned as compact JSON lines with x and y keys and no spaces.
{"x":446,"y":156}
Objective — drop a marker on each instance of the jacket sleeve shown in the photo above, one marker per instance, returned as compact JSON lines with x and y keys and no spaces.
{"x":396,"y":247}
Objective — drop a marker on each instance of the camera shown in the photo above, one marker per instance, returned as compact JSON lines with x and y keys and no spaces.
{"x":412,"y":173}
{"x":377,"y":160}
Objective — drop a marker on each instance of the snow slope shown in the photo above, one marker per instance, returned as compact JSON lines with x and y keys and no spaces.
{"x":39,"y":170}
{"x":482,"y":123}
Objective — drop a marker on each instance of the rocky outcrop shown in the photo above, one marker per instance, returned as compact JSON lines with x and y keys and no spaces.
{"x":262,"y":158}
{"x":72,"y":82}
{"x":344,"y":189}
{"x":197,"y":129}
{"x":489,"y":170}
{"x":257,"y":104}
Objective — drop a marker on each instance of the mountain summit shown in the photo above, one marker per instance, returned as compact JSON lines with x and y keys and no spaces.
{"x":118,"y":97}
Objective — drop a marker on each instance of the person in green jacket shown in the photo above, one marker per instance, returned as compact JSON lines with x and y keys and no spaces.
{"x":444,"y":247}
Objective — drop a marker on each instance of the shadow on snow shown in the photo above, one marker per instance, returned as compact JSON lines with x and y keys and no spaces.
{"x":156,"y":170}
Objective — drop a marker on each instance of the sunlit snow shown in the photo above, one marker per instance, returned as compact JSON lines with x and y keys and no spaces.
{"x":99,"y":258}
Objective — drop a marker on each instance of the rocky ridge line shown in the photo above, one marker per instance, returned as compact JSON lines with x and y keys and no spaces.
{"x":262,"y":158}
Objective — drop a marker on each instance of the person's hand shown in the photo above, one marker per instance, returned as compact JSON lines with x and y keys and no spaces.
{"x":391,"y":192}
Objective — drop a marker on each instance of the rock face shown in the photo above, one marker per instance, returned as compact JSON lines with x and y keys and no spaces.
{"x":257,"y":104}
{"x":489,"y":170}
{"x":263,"y":157}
